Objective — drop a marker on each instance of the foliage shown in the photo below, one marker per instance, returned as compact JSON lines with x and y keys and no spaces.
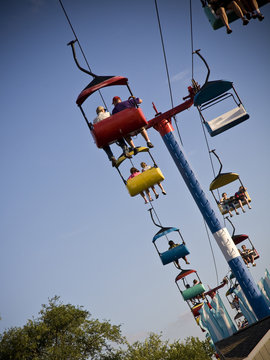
{"x":66,"y":332}
{"x":61,"y":332}
{"x":153,"y":348}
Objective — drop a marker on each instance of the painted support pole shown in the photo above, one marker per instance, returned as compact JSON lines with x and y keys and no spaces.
{"x":221,"y":234}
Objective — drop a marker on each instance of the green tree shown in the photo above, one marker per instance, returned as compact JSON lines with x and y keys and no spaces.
{"x":66,"y":332}
{"x":61,"y":332}
{"x":153,"y":348}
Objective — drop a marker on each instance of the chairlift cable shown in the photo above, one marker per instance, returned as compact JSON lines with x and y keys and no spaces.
{"x":212,"y":251}
{"x":152,"y":208}
{"x":167,"y":69}
{"x":83,"y":54}
{"x":210,"y":157}
{"x":212,"y":165}
{"x":191,"y":39}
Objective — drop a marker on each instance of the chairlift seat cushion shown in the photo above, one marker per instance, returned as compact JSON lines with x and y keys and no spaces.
{"x":193,"y":291}
{"x":174,"y":254}
{"x":118,"y":126}
{"x":144,"y":181}
{"x":211,"y":90}
{"x":227,"y":120}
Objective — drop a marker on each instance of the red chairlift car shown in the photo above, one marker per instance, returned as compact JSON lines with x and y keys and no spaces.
{"x":243,"y":238}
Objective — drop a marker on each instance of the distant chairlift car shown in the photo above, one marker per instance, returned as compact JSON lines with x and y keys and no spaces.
{"x":221,"y":180}
{"x":191,"y":293}
{"x":237,"y":239}
{"x":214,"y":92}
{"x":175,"y":253}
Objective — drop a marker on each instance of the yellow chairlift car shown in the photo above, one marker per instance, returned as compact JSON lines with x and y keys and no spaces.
{"x":145,"y":179}
{"x":233,"y":202}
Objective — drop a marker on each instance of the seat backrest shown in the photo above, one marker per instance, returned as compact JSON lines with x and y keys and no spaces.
{"x":144,"y":181}
{"x":118,"y":126}
{"x":174,"y":254}
{"x":193,"y":291}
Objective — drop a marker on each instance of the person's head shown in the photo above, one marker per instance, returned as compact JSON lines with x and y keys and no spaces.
{"x":195,"y":281}
{"x":243,"y":247}
{"x":171,"y":243}
{"x":116,"y":100}
{"x":143,"y":165}
{"x":133,"y":170}
{"x":224,"y":195}
{"x":100,"y":109}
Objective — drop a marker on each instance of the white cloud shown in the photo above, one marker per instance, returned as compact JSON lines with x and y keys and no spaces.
{"x":180,"y":76}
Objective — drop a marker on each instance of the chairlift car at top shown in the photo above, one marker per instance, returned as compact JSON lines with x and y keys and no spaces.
{"x":216,"y":21}
{"x":211,"y":94}
{"x":128,"y":122}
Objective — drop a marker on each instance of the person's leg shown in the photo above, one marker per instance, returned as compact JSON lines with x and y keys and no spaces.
{"x":146,"y":138}
{"x":241,"y":206}
{"x":162,"y":188}
{"x":256,"y":11}
{"x":121,"y":142}
{"x":234,"y":207}
{"x":246,"y":200}
{"x":243,"y":9}
{"x":144,"y":197}
{"x":155,"y":192}
{"x":252,"y":259}
{"x":148,"y":194}
{"x":233,"y":6}
{"x":109,"y":153}
{"x":186,"y":260}
{"x":223,"y":16}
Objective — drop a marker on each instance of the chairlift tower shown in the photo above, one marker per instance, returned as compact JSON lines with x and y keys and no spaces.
{"x":256,"y":300}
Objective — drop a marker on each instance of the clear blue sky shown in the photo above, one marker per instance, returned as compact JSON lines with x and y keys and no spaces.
{"x":68,"y":225}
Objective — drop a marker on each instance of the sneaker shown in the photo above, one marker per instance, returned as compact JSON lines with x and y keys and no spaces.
{"x":135,"y":150}
{"x":127,"y":154}
{"x":253,"y":264}
{"x":247,"y":266}
{"x":229,"y":31}
{"x":113,"y":160}
{"x":149,"y":144}
{"x":146,"y":201}
{"x":248,"y":16}
{"x":164,"y":193}
{"x":245,"y":21}
{"x":260,"y":17}
{"x":157,"y":195}
{"x":151,"y":199}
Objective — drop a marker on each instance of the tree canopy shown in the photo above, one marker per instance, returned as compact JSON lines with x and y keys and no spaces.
{"x":61,"y":332}
{"x":67,"y":332}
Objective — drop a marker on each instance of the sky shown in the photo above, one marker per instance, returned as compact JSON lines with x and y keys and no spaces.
{"x":68,"y":225}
